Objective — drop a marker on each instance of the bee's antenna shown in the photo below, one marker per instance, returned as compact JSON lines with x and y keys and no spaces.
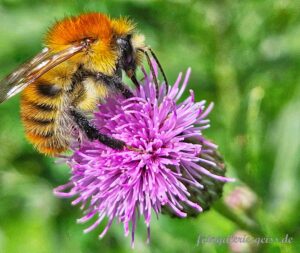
{"x":152,"y":71}
{"x":160,"y":68}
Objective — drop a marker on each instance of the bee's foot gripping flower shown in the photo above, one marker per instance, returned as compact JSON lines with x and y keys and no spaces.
{"x":178,"y":170}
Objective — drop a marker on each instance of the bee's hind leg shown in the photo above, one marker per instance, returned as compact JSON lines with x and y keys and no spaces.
{"x":92,"y":132}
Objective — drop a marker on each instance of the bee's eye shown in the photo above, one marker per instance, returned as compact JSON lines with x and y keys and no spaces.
{"x":125,"y":46}
{"x":127,"y":55}
{"x":120,"y":41}
{"x":123,"y":43}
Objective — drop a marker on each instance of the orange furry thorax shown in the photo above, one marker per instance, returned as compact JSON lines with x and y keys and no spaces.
{"x":102,"y":55}
{"x":96,"y":26}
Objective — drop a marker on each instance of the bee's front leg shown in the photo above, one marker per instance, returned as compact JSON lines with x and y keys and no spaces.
{"x":92,"y":132}
{"x":115,"y":82}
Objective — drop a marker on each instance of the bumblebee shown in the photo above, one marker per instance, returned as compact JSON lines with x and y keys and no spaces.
{"x":80,"y":67}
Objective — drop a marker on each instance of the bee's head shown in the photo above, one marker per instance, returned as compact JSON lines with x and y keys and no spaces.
{"x":127,"y":54}
{"x":115,"y":43}
{"x":127,"y":42}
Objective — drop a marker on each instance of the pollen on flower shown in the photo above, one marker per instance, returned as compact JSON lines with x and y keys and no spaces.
{"x":124,"y":185}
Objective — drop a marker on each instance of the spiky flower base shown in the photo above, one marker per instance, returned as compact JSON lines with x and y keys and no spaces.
{"x":212,"y":188}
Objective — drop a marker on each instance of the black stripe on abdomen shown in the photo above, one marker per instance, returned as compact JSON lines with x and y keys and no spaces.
{"x":41,"y":106}
{"x":48,"y":90}
{"x":38,"y":121}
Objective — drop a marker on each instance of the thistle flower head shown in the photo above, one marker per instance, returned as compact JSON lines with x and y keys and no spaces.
{"x":171,"y":159}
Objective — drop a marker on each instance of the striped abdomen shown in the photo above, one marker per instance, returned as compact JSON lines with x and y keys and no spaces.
{"x":45,"y":108}
{"x":41,"y":110}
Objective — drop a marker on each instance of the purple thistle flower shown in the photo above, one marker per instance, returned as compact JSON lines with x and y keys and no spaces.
{"x":124,"y":185}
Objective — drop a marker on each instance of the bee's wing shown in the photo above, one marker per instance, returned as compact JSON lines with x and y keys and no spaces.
{"x":33,"y":69}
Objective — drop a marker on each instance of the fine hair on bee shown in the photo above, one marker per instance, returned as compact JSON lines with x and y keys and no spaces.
{"x":79,"y":68}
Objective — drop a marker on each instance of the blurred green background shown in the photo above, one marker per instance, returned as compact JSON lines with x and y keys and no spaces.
{"x":244,"y":56}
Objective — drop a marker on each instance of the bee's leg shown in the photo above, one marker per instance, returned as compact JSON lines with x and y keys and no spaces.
{"x":115,"y":82}
{"x":92,"y":132}
{"x":135,"y":81}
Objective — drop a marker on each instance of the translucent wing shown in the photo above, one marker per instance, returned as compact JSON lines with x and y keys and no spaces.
{"x":35,"y":68}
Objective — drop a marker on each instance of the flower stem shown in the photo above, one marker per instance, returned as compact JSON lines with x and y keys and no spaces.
{"x":241,"y":219}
